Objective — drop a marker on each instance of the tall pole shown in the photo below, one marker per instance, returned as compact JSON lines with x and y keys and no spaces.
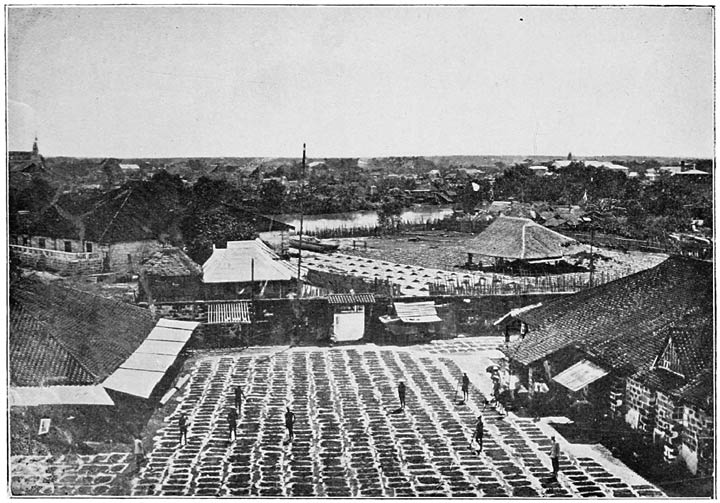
{"x":251,"y":311}
{"x":302,"y":202}
{"x":592,"y":260}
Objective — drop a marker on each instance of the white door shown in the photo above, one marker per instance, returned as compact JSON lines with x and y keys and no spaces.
{"x":349,"y":326}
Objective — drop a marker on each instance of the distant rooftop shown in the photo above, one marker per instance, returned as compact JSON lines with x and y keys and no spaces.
{"x":245,"y":261}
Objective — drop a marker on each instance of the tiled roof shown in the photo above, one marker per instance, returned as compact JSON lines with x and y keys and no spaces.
{"x":623,"y":322}
{"x":351,"y":298}
{"x":133,"y":212}
{"x":518,"y":238}
{"x":262,"y":223}
{"x":38,"y":359}
{"x":59,"y":331}
{"x":692,"y":339}
{"x":171,"y":261}
{"x":122,"y":215}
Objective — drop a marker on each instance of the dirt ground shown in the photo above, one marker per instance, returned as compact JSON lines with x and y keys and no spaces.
{"x":447,"y":250}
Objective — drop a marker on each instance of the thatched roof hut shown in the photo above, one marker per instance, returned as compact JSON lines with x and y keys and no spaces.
{"x":515,"y":238}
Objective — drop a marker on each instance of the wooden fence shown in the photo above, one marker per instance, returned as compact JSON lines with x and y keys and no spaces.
{"x":686,"y":248}
{"x":443,"y":224}
{"x":523,"y":285}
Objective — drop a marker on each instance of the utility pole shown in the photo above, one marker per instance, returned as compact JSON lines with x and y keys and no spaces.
{"x":302,"y":204}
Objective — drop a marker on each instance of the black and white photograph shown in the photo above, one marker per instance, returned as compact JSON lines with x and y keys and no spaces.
{"x":370,"y":251}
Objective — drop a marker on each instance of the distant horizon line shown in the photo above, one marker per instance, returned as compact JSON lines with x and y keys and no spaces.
{"x":524,"y":156}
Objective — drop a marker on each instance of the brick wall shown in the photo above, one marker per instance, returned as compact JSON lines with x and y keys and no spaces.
{"x":616,"y":397}
{"x":697,"y":428}
{"x":664,"y":410}
{"x":706,"y":445}
{"x":641,"y":400}
{"x":659,"y":413}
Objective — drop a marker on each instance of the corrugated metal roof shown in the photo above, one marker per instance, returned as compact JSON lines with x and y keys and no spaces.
{"x":229,"y":312}
{"x":580,"y":375}
{"x":351,"y":298}
{"x":417,"y":312}
{"x":30,"y":396}
{"x":234,"y":263}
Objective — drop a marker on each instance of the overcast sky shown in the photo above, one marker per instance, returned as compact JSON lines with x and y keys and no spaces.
{"x":360,"y":81}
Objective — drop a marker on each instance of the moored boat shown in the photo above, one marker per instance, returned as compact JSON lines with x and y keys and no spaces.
{"x":313,"y":244}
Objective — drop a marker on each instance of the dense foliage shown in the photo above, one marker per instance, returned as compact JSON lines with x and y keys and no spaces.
{"x":217,"y":207}
{"x":632,"y":207}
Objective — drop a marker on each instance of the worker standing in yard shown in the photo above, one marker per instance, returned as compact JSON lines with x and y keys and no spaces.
{"x":465,"y":386}
{"x":555,"y":457}
{"x":139,"y":450}
{"x":496,"y":385}
{"x":479,"y":432}
{"x":401,"y":394}
{"x":239,"y":396}
{"x":289,"y":422}
{"x":232,"y":424}
{"x":182,"y":423}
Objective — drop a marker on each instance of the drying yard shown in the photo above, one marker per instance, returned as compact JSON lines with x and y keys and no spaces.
{"x":350,"y":438}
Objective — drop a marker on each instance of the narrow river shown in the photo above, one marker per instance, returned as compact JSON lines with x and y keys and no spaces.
{"x":415,"y":214}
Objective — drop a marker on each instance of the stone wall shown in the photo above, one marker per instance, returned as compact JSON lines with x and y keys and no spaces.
{"x":127,"y":257}
{"x":49,"y":243}
{"x":118,"y":257}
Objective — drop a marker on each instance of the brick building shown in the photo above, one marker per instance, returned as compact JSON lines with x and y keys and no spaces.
{"x":639,"y":349}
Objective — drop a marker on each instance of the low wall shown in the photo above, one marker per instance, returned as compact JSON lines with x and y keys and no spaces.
{"x":310,"y":321}
{"x":61,"y":265}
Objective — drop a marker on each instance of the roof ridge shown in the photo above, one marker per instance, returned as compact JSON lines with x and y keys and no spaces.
{"x":130,"y":190}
